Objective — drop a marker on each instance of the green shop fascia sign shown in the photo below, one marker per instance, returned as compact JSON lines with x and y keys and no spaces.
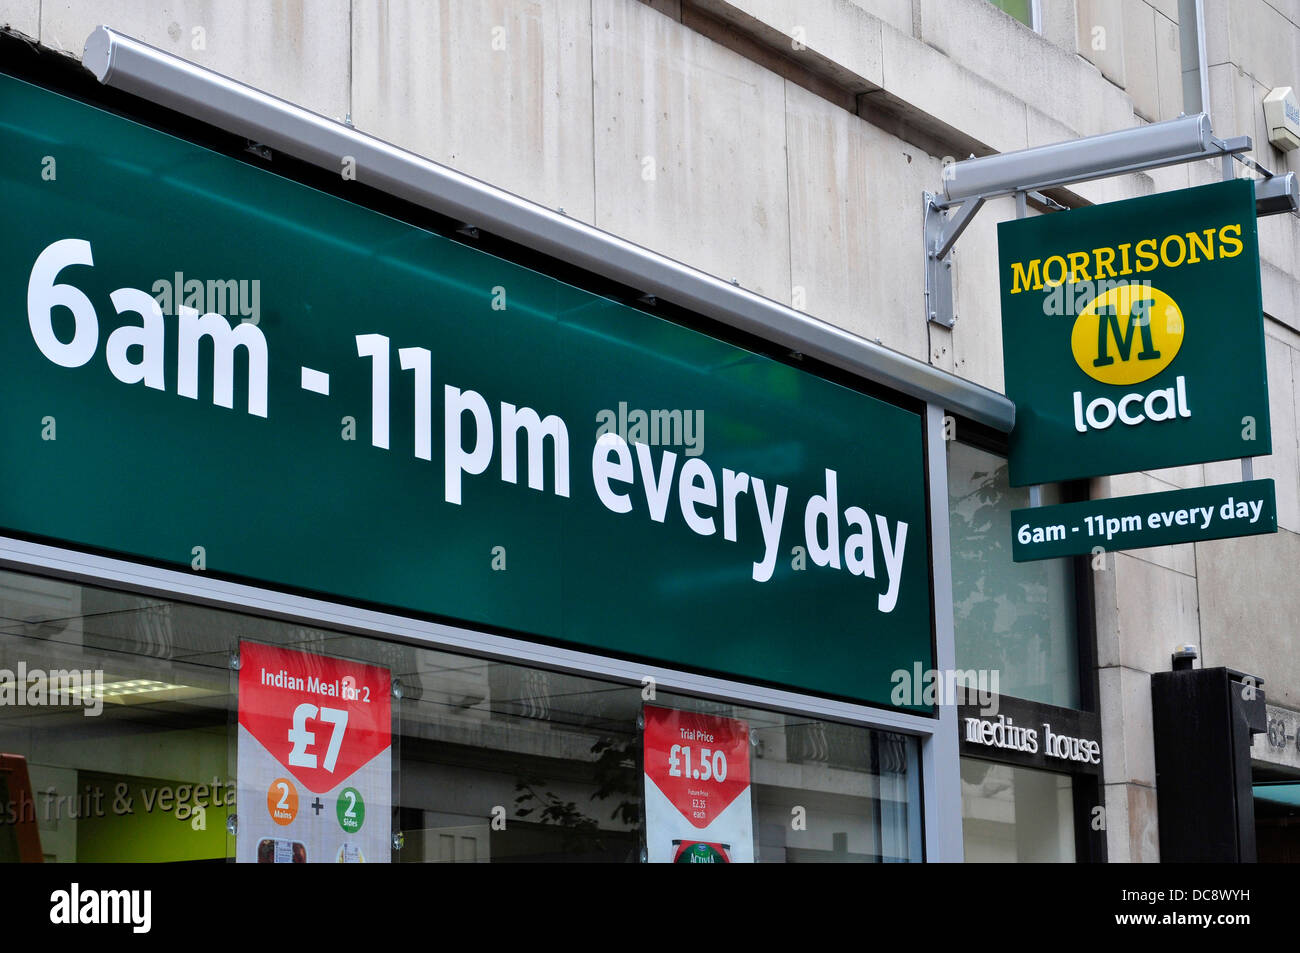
{"x":1133,"y":335}
{"x":214,"y":367}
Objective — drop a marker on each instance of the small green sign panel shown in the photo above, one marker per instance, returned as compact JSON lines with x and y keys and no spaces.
{"x":1150,"y":519}
{"x":217,"y":368}
{"x":1133,"y":335}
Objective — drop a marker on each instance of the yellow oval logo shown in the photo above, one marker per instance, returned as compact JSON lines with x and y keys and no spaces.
{"x":1127,"y":335}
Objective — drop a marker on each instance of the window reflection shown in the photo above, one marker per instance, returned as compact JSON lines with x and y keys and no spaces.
{"x":1017,"y":619}
{"x":494,"y":762}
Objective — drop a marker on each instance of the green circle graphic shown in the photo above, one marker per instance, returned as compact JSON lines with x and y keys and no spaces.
{"x":701,"y":854}
{"x":351,"y":810}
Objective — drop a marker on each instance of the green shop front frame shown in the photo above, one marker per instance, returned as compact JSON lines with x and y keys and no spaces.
{"x":393,"y":417}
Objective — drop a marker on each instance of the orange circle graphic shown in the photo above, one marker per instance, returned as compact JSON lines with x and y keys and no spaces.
{"x":282,"y":801}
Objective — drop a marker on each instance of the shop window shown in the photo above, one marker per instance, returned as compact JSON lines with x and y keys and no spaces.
{"x":1026,"y":11}
{"x":491,"y":762}
{"x":1017,"y":620}
{"x":1016,"y":815}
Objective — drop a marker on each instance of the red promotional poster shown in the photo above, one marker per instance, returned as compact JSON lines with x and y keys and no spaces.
{"x":698,"y":807}
{"x":315,"y":737}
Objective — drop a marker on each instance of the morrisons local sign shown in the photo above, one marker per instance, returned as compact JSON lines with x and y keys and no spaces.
{"x":1133,"y":335}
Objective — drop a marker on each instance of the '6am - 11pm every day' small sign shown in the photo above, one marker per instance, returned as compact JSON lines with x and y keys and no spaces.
{"x":1138,"y":522}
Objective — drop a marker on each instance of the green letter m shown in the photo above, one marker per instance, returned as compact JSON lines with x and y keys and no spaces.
{"x":1108,"y":327}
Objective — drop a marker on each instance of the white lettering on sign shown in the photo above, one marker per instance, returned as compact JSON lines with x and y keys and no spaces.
{"x":1165,"y":403}
{"x":476,"y":432}
{"x":302,"y":738}
{"x":1069,"y":748}
{"x":44,"y":295}
{"x":1097,"y":526}
{"x":1004,"y":734}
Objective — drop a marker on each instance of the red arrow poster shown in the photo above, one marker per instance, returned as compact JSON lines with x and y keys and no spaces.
{"x":315,"y":737}
{"x":698,"y":807}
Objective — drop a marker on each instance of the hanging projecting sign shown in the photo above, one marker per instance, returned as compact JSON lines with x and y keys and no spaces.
{"x":315,"y":766}
{"x":1133,"y":335}
{"x":220,"y":369}
{"x":697,"y":800}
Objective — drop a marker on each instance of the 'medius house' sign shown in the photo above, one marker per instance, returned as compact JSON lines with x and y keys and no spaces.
{"x":1033,"y":735}
{"x":1004,"y":733}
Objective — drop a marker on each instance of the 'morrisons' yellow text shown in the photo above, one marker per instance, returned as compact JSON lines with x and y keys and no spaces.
{"x":1114,"y":261}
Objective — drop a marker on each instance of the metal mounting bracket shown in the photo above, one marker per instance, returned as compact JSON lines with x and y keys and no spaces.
{"x":941,"y":232}
{"x":1030,"y":170}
